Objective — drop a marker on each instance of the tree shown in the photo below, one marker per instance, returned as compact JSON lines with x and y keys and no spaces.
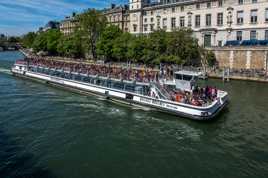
{"x":70,"y":46}
{"x":92,"y":23}
{"x":181,"y":44}
{"x":13,"y":39}
{"x":40,"y":42}
{"x":121,"y":46}
{"x":211,"y":59}
{"x":136,"y":49}
{"x":28,"y":39}
{"x":106,"y":41}
{"x":158,"y":42}
{"x":52,"y":36}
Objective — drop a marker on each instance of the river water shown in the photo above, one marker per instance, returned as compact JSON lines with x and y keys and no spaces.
{"x":49,"y":132}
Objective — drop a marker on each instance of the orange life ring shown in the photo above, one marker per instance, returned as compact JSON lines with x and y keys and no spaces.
{"x":178,"y":97}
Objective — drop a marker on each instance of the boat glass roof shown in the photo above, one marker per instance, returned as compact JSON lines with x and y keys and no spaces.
{"x":190,"y":73}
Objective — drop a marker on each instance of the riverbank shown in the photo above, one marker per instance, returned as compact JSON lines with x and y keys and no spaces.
{"x":247,"y":75}
{"x":253,"y":79}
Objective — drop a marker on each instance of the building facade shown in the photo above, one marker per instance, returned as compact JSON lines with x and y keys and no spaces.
{"x":51,"y":25}
{"x":119,"y":16}
{"x":116,"y":15}
{"x":214,"y":22}
{"x":68,"y":25}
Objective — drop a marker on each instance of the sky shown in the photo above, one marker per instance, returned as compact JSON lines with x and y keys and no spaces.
{"x":18,"y":17}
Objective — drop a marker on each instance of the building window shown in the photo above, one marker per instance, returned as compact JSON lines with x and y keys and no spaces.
{"x":220,"y":19}
{"x":165,"y":23}
{"x":152,"y":12}
{"x":208,"y":19}
{"x":182,"y":8}
{"x":152,"y":27}
{"x":253,"y":35}
{"x":182,"y":21}
{"x":240,"y":17}
{"x":266,"y":35}
{"x":254,"y":16}
{"x":254,"y":1}
{"x":239,"y":36}
{"x":145,"y":20}
{"x":266,"y":15}
{"x":209,"y":5}
{"x":145,"y":28}
{"x":220,"y":3}
{"x":134,"y":28}
{"x":173,"y":23}
{"x":173,"y":9}
{"x":152,"y":19}
{"x":220,"y":43}
{"x":189,"y":21}
{"x":158,"y":23}
{"x":197,"y":6}
{"x":197,"y":21}
{"x":240,"y":1}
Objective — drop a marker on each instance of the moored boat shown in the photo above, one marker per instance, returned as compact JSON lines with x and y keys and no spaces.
{"x":180,"y":95}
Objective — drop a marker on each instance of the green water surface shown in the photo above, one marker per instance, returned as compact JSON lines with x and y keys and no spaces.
{"x":48,"y":132}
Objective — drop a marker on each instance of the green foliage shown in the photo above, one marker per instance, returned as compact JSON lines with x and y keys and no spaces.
{"x":107,"y":40}
{"x":120,"y":47}
{"x":136,"y":49}
{"x":28,"y":39}
{"x":93,"y":36}
{"x":211,"y":59}
{"x":180,"y":43}
{"x":92,"y":23}
{"x":40,"y":42}
{"x":13,"y":39}
{"x":52,"y":37}
{"x":70,"y":46}
{"x":177,"y":47}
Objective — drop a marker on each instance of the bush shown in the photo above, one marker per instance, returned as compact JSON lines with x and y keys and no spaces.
{"x":211,"y":59}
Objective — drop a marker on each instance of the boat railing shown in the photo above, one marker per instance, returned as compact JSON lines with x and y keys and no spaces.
{"x":162,"y":91}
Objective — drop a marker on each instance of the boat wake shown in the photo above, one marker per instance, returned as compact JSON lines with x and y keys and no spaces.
{"x":143,"y":108}
{"x":6,"y":71}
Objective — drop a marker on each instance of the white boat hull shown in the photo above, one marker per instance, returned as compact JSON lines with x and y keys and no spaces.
{"x":180,"y":109}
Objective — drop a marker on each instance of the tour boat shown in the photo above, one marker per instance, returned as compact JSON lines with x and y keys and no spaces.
{"x":155,"y":94}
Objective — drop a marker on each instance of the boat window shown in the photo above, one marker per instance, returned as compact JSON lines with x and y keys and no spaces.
{"x":179,"y":76}
{"x":187,"y":77}
{"x":129,"y":96}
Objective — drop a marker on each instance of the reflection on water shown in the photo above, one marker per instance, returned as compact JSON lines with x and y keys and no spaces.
{"x":48,"y":132}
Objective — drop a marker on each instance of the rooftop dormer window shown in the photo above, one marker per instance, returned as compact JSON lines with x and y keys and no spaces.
{"x":209,"y":5}
{"x":197,"y":6}
{"x":220,"y":3}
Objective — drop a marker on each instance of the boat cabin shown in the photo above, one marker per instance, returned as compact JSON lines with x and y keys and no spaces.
{"x":20,"y":65}
{"x":185,"y":80}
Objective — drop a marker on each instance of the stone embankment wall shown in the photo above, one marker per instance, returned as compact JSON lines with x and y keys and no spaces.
{"x":242,"y":57}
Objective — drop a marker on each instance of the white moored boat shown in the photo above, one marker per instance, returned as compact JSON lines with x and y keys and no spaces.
{"x":178,"y":96}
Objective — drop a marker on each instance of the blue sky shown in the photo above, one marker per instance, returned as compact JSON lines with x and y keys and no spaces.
{"x":18,"y":17}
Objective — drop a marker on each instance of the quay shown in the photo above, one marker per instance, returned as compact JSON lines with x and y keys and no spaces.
{"x":248,"y":75}
{"x":253,"y":79}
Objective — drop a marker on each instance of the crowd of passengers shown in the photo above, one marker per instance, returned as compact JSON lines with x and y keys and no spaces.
{"x":106,"y":70}
{"x":198,"y":97}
